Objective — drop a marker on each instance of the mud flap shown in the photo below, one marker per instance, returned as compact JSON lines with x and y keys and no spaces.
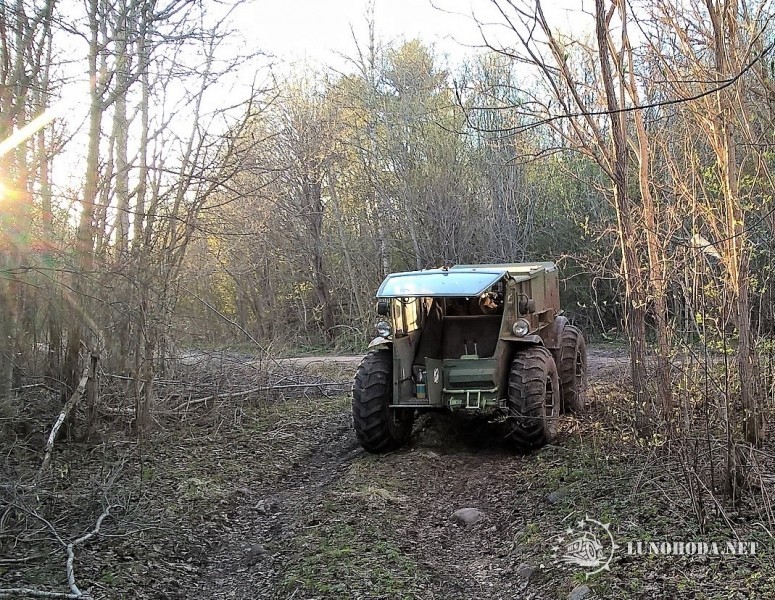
{"x":379,"y":343}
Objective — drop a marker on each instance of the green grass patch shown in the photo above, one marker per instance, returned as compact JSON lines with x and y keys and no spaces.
{"x":347,"y":560}
{"x":349,"y":549}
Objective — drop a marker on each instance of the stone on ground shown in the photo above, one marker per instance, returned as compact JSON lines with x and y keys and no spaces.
{"x":468,"y":516}
{"x":580,"y":592}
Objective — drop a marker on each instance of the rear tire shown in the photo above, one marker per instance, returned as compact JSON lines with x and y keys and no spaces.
{"x":534,"y":398}
{"x":572,"y":369}
{"x":378,"y":427}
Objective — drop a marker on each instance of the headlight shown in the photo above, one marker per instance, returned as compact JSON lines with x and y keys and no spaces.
{"x":521,"y":327}
{"x":383,"y":329}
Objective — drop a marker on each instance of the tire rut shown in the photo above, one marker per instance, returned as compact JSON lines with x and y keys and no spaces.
{"x":267,"y":523}
{"x":251,"y":565}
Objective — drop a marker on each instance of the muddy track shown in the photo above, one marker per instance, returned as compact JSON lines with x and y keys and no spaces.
{"x":248,"y":565}
{"x":272,"y":498}
{"x":449,"y":465}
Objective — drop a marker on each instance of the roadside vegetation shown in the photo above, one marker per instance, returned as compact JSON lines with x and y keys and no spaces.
{"x":260,"y":498}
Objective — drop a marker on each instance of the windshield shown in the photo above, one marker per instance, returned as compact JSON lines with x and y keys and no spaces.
{"x":440,"y":283}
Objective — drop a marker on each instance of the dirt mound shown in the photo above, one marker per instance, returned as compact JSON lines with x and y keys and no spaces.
{"x":452,"y":434}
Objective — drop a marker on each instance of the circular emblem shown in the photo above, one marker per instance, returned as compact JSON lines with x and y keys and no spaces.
{"x":589,"y":545}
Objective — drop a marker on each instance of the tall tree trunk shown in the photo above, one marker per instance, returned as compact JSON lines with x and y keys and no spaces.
{"x":724,"y":18}
{"x":657,"y":259}
{"x":354,"y":290}
{"x":121,"y":130}
{"x":314,"y":204}
{"x":635,"y":298}
{"x":85,"y":230}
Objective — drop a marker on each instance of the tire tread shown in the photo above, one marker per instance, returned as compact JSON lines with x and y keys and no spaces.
{"x":372,"y":393}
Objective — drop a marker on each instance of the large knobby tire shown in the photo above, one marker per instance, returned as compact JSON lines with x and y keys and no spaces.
{"x":572,"y":369}
{"x":378,"y":427}
{"x":534,"y":398}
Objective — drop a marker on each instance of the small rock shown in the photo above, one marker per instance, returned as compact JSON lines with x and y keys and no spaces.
{"x":556,"y":496}
{"x":263,"y":506}
{"x":468,"y":516}
{"x":252,"y":555}
{"x":580,"y":592}
{"x":525,"y":571}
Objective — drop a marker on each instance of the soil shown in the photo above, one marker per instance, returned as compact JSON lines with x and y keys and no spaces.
{"x":401,"y":504}
{"x":275,"y":499}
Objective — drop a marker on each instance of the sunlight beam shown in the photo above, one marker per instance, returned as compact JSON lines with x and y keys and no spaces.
{"x":31,"y":128}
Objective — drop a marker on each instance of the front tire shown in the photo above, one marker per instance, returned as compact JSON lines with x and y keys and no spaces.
{"x":378,"y":427}
{"x":534,"y":398}
{"x":572,"y":369}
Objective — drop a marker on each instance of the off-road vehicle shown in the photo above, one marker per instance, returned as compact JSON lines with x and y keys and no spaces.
{"x":487,"y":338}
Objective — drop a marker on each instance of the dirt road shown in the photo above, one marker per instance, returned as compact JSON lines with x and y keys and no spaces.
{"x":339,"y":523}
{"x":268,"y":496}
{"x":602,"y":361}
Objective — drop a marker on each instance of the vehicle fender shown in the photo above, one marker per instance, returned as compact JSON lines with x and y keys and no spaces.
{"x":505,"y":354}
{"x":380,"y":343}
{"x":526,"y":340}
{"x":552,"y":335}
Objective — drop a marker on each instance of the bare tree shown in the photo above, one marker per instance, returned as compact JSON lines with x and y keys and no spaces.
{"x":600,"y":135}
{"x":25,"y":31}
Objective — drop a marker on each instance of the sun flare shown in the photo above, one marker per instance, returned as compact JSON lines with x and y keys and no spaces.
{"x":38,"y":123}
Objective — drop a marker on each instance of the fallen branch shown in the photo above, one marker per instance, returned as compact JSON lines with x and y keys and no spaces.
{"x":75,"y":593}
{"x":124,"y":412}
{"x":15,"y":561}
{"x":305,"y":385}
{"x":71,"y":551}
{"x":66,"y":409}
{"x":16,"y":592}
{"x":128,"y":378}
{"x":268,"y":388}
{"x":31,"y":386}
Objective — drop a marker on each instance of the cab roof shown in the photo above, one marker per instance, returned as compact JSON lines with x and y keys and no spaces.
{"x":455,"y":282}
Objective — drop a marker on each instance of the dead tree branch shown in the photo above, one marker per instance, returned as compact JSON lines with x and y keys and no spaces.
{"x":71,"y":551}
{"x":66,"y":409}
{"x":29,"y":592}
{"x":75,"y":593}
{"x":267,"y":388}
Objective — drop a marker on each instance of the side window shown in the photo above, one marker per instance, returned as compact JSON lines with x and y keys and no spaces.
{"x":406,"y":315}
{"x":412,"y":315}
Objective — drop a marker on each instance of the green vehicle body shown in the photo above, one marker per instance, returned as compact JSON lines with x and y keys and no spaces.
{"x":471,"y":372}
{"x":475,"y":338}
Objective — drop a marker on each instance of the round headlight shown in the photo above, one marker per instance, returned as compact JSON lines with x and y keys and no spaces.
{"x":521,"y":327}
{"x":383,"y":329}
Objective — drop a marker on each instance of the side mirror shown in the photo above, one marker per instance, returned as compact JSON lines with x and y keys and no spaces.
{"x":383,"y":308}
